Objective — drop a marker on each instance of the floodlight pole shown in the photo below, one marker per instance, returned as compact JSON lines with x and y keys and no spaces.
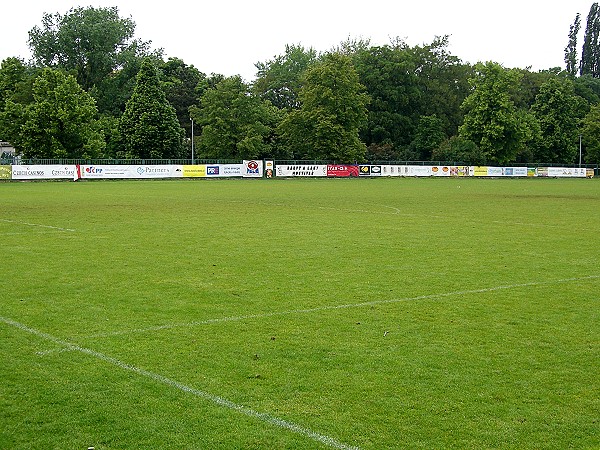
{"x":192,"y":140}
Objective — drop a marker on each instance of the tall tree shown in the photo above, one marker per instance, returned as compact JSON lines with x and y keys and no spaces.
{"x":590,"y":55}
{"x":180,"y":83}
{"x":590,"y":135}
{"x":59,"y":123}
{"x":491,"y":118}
{"x":87,"y":40}
{"x":149,"y":126}
{"x":571,"y":48}
{"x":278,"y":80}
{"x":557,"y":110}
{"x":333,"y":109}
{"x":235,"y":124}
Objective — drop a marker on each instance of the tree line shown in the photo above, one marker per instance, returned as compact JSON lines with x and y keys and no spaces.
{"x":93,"y":91}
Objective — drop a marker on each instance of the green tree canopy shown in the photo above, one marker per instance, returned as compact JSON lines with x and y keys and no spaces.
{"x":557,"y":110}
{"x":590,"y":54}
{"x":88,"y":40}
{"x":591,"y":135}
{"x":235,"y":124}
{"x":491,"y":118}
{"x":279,"y":80}
{"x":333,"y":109}
{"x":59,"y":123}
{"x":571,"y":48}
{"x":149,"y":126}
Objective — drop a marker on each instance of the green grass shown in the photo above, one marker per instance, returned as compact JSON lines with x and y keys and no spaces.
{"x":370,"y":313}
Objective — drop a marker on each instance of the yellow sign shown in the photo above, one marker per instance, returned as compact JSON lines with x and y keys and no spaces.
{"x":196,"y":171}
{"x":5,"y":172}
{"x":480,"y":171}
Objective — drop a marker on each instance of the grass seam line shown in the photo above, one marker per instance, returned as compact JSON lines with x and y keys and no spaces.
{"x":217,"y":400}
{"x":334,"y":307}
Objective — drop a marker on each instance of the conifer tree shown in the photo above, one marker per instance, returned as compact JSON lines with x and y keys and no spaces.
{"x":590,"y":55}
{"x":149,"y":125}
{"x":571,"y":49}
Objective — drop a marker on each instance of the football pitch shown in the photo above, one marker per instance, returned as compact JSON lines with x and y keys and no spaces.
{"x":300,"y":314}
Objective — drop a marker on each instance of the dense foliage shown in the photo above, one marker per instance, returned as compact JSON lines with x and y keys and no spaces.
{"x":93,"y":90}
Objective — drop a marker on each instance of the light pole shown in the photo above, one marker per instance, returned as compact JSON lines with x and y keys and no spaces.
{"x":192,"y":140}
{"x":579,"y":150}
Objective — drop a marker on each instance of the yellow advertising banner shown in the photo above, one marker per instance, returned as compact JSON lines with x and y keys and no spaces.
{"x":480,"y":171}
{"x":5,"y":172}
{"x":196,"y":171}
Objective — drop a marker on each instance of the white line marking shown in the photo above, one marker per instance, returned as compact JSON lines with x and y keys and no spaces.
{"x":334,"y":307}
{"x":220,"y":401}
{"x":36,"y":225}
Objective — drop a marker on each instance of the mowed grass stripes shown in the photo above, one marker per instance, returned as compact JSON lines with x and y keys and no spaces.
{"x":369,"y":313}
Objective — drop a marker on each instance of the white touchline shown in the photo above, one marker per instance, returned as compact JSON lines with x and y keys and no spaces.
{"x":334,"y":307}
{"x":220,"y":401}
{"x":36,"y":225}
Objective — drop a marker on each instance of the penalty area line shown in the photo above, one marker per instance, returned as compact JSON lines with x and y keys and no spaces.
{"x":215,"y":399}
{"x":335,"y":307}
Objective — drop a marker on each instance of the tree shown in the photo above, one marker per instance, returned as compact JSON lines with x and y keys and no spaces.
{"x":491,"y":118}
{"x":180,"y":82}
{"x":235,"y":124}
{"x":149,"y":126}
{"x":333,"y":109}
{"x":571,"y":49}
{"x":459,"y":150}
{"x":278,"y":80}
{"x":590,"y":135}
{"x":59,"y":123}
{"x":429,"y":135}
{"x":89,"y":41}
{"x":590,"y":55}
{"x":557,"y":110}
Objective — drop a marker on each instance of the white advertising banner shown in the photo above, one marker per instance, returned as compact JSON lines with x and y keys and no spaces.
{"x":131,"y":172}
{"x":252,"y":169}
{"x":392,"y":171}
{"x":417,"y":171}
{"x":301,"y":170}
{"x":46,"y":172}
{"x":564,"y":172}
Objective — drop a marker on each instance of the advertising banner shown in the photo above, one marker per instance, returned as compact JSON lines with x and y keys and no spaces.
{"x":252,"y":169}
{"x":461,"y":171}
{"x":195,"y":171}
{"x":567,"y":172}
{"x":342,"y":170}
{"x":589,"y":173}
{"x":417,"y":171}
{"x":440,"y":171}
{"x":392,"y":171}
{"x":300,"y":170}
{"x":5,"y":172}
{"x":132,"y":172}
{"x":44,"y":172}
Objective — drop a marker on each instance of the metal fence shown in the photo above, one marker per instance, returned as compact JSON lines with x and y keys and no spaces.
{"x":17,"y":160}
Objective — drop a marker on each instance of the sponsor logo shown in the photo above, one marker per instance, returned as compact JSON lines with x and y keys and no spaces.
{"x":140,"y":170}
{"x":365,"y":170}
{"x":252,"y":167}
{"x":375,"y":169}
{"x":92,"y":169}
{"x":212,"y":170}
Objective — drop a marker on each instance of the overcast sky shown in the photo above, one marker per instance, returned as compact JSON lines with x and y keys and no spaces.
{"x":230,"y":36}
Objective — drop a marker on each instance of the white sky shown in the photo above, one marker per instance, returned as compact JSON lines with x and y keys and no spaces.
{"x":230,"y":36}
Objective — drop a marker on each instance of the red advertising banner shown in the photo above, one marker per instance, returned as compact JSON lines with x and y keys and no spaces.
{"x":342,"y":170}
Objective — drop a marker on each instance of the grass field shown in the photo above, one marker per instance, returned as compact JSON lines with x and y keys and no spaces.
{"x":300,"y":314}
